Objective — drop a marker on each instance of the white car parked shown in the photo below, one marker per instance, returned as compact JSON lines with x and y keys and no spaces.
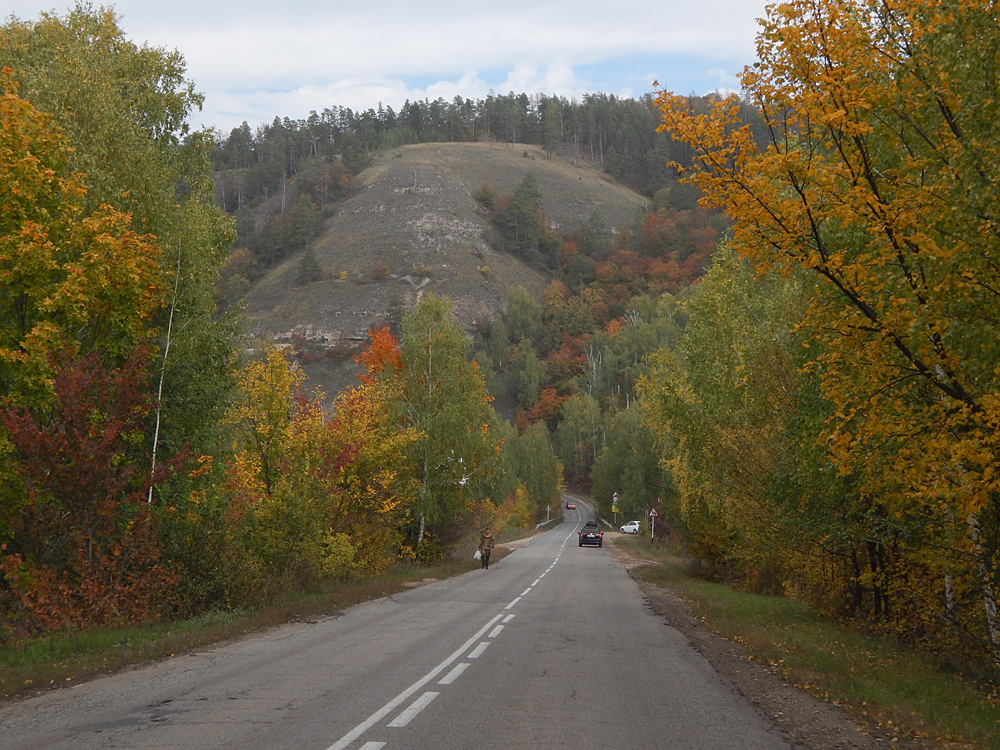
{"x":632,"y":527}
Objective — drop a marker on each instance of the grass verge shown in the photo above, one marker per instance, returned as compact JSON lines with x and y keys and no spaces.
{"x":61,"y":659}
{"x":874,"y":678}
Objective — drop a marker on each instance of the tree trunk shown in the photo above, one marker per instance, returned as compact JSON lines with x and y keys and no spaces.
{"x":989,"y":597}
{"x":163,"y":374}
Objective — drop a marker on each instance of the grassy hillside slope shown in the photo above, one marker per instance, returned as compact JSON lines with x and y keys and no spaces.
{"x":410,"y":226}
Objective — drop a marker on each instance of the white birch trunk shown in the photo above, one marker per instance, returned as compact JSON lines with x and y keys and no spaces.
{"x":163,"y":372}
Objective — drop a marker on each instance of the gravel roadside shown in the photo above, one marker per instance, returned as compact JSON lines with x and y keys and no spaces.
{"x":807,"y":721}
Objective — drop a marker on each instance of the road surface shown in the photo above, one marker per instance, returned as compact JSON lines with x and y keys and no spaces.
{"x":552,"y":647}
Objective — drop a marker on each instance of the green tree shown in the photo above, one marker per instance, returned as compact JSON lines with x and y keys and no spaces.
{"x":717,"y":406}
{"x":627,"y":464}
{"x":444,"y":400}
{"x":309,"y":270}
{"x":538,"y":468}
{"x":523,"y":315}
{"x":551,"y":127}
{"x":528,"y":374}
{"x":522,"y":222}
{"x":578,"y":436}
{"x":499,"y":344}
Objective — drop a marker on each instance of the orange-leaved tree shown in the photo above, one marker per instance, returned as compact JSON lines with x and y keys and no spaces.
{"x":877,"y":179}
{"x":84,"y":550}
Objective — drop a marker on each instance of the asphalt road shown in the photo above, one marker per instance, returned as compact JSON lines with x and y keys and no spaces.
{"x":551,"y":647}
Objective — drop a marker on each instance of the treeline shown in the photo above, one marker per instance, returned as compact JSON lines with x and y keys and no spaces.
{"x":616,"y":134}
{"x":280,"y":180}
{"x":830,"y":417}
{"x":151,"y":466}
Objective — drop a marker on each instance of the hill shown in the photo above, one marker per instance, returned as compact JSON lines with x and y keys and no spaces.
{"x":411,"y":225}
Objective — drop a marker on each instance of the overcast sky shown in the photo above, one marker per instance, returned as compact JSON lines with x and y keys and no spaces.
{"x":257,"y":59}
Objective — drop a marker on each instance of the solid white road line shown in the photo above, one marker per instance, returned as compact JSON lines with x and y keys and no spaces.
{"x":415,"y":708}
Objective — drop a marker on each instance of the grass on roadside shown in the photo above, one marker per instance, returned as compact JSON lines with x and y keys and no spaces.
{"x":62,"y":659}
{"x":874,"y":678}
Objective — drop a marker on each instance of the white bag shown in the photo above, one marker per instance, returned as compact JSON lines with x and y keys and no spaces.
{"x":478,"y":556}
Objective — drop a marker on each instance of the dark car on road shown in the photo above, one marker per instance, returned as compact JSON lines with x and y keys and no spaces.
{"x":591,"y":535}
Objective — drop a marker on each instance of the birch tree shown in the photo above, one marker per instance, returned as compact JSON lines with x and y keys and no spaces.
{"x":444,"y":400}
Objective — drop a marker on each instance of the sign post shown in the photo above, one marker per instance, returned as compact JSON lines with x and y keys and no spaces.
{"x":614,"y":506}
{"x":652,"y":524}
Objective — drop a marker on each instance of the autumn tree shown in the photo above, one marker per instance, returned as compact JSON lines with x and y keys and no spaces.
{"x":310,"y":496}
{"x":877,"y":179}
{"x":261,"y":415}
{"x":123,"y":109}
{"x":75,"y":283}
{"x":84,"y":547}
{"x":68,"y":274}
{"x":366,"y":496}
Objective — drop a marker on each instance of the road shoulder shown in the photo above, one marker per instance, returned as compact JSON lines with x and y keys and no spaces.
{"x":807,"y":721}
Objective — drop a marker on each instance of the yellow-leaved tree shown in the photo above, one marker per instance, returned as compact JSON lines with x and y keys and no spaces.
{"x":310,"y":495}
{"x":68,"y":277}
{"x":878,"y":177}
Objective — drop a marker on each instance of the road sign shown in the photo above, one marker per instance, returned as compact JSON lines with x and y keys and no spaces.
{"x":653,"y":513}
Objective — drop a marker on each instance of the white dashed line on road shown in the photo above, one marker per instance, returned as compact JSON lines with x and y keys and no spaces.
{"x":415,"y":708}
{"x":478,"y":650}
{"x":368,"y":723}
{"x":453,"y":674}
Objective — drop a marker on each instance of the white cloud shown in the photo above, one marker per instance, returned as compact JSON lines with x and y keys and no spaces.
{"x":262,"y":58}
